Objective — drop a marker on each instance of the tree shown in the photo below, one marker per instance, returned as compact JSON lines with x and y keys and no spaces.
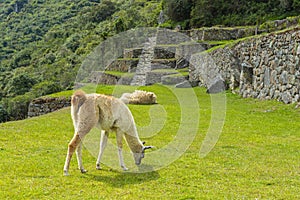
{"x":22,"y":58}
{"x":296,"y":4}
{"x":178,"y":10}
{"x":101,"y":12}
{"x":203,"y":13}
{"x":3,"y":114}
{"x":19,"y":84}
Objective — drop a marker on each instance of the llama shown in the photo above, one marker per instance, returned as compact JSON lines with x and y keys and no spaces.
{"x":89,"y":110}
{"x":139,"y":97}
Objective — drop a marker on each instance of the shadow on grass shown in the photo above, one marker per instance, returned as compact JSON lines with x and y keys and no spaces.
{"x":119,"y":179}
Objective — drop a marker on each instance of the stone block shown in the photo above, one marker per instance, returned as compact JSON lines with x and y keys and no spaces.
{"x":217,"y":85}
{"x":172,"y":79}
{"x":184,"y":84}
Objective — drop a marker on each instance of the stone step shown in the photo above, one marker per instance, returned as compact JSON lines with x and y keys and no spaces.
{"x":155,"y":76}
{"x":144,"y":64}
{"x":167,"y":51}
{"x":130,"y":65}
{"x":173,"y":79}
{"x":173,"y":53}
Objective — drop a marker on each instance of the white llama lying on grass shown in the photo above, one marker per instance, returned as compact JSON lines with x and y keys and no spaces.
{"x":89,"y":110}
{"x":139,"y":97}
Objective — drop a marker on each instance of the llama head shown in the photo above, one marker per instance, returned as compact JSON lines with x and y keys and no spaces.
{"x":138,"y":156}
{"x":153,"y":97}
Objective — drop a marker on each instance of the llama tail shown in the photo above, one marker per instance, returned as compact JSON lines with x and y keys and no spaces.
{"x":78,"y":98}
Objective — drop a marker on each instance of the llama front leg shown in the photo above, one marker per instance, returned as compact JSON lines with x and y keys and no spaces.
{"x":79,"y":157}
{"x":120,"y":145}
{"x":71,"y":148}
{"x":103,"y":142}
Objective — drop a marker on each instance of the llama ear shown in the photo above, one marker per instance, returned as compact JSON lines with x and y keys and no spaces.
{"x":148,"y":147}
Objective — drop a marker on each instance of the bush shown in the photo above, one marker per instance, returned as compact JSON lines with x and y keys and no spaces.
{"x":17,"y":107}
{"x":44,"y":88}
{"x":3,"y":114}
{"x":20,"y":83}
{"x":178,"y":10}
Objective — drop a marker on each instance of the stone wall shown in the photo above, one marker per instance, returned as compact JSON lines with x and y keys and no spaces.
{"x":44,"y":105}
{"x":220,"y":33}
{"x":265,"y":67}
{"x":273,"y":61}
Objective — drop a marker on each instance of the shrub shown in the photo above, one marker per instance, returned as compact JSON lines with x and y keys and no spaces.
{"x":20,"y":83}
{"x":3,"y":114}
{"x":17,"y":107}
{"x":45,"y":87}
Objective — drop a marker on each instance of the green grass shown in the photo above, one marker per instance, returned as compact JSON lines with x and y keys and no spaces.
{"x":257,"y":155}
{"x":120,"y":74}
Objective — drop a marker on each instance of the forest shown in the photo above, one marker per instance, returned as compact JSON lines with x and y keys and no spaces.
{"x":43,"y":43}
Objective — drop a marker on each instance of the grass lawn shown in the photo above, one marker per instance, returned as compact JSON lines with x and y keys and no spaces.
{"x":256,"y":157}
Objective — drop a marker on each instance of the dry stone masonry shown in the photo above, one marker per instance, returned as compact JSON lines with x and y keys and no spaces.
{"x":265,"y":67}
{"x":44,"y":105}
{"x":144,"y":65}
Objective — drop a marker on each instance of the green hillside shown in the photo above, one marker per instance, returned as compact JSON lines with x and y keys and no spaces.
{"x":43,"y":43}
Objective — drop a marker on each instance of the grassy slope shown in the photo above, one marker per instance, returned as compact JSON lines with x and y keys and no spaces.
{"x":257,"y":156}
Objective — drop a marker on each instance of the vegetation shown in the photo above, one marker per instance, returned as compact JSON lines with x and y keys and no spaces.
{"x":43,"y":43}
{"x":198,"y":13}
{"x":256,"y":157}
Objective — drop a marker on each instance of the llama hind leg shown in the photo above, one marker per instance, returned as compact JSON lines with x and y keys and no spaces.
{"x":74,"y":144}
{"x":103,"y":142}
{"x":71,"y":148}
{"x":79,"y":157}
{"x":120,"y":146}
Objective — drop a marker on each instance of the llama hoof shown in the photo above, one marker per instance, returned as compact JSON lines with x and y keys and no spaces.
{"x":66,"y":173}
{"x":98,"y":167}
{"x":83,"y":171}
{"x":124,"y":168}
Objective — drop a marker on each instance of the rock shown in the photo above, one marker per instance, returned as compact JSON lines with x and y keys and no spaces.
{"x":44,"y":105}
{"x":125,"y":80}
{"x":181,"y":63}
{"x":194,"y":83}
{"x":286,"y":97}
{"x":172,"y":79}
{"x":284,"y":77}
{"x":217,"y":86}
{"x":267,"y":77}
{"x":297,"y":98}
{"x":273,"y":77}
{"x":184,"y":84}
{"x":298,"y":50}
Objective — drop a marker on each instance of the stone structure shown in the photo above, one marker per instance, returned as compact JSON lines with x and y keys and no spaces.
{"x":266,"y":67}
{"x":144,"y":64}
{"x":44,"y":105}
{"x":219,"y":33}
